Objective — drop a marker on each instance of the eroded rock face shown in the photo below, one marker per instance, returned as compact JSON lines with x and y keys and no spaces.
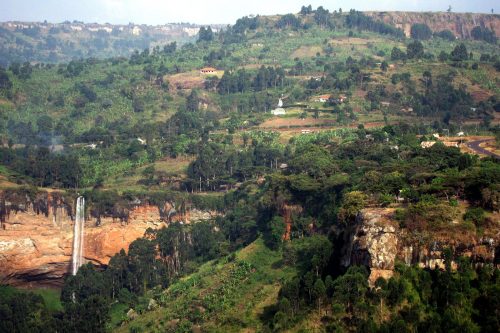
{"x":461,"y":24}
{"x":36,"y":248}
{"x":376,"y":242}
{"x":373,"y":242}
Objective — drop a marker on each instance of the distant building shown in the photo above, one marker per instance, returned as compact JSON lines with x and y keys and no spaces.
{"x":427,"y":144}
{"x":278,"y":112}
{"x":322,"y":98}
{"x":107,"y":29}
{"x":136,"y":31}
{"x":208,"y":70}
{"x":451,"y":144}
{"x":191,"y":32}
{"x":327,"y":97}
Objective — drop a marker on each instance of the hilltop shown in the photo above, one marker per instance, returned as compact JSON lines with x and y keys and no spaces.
{"x":460,"y":24}
{"x":63,"y":42}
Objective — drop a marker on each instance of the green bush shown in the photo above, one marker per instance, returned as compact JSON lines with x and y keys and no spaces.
{"x":475,"y":215}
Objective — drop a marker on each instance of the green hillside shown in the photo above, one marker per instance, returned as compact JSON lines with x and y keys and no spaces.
{"x":368,"y":120}
{"x":227,"y":294}
{"x":66,"y":41}
{"x":109,"y":104}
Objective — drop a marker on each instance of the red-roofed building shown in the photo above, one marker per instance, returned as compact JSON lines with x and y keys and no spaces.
{"x":323,"y":98}
{"x":208,"y":70}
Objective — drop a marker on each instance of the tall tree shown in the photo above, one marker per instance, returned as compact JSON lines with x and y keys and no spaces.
{"x":415,"y":50}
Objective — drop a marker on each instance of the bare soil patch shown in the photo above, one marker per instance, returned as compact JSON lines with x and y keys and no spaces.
{"x":306,"y":52}
{"x":295,"y":122}
{"x":189,"y":80}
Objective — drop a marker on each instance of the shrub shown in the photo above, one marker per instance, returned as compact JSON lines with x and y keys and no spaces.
{"x":420,"y":31}
{"x":475,"y":215}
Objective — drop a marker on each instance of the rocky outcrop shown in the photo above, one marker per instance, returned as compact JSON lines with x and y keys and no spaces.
{"x":35,"y":246}
{"x":287,"y":212}
{"x":461,"y":24}
{"x":372,"y":242}
{"x":376,"y":241}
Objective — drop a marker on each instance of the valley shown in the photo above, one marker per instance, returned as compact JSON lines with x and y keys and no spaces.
{"x":326,"y":171}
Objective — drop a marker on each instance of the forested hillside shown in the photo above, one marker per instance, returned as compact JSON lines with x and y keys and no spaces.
{"x":62,"y":42}
{"x":293,"y":129}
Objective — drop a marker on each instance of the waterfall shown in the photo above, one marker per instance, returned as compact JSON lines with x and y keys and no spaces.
{"x":77,"y":256}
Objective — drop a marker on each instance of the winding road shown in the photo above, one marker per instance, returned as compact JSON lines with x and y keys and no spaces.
{"x":475,"y":146}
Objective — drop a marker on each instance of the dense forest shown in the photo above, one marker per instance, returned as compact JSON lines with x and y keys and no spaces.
{"x":361,"y":102}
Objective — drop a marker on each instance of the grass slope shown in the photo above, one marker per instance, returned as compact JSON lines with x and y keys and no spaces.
{"x":225,"y":295}
{"x":51,"y":297}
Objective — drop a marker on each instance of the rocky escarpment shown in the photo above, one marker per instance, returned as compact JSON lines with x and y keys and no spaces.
{"x":36,"y":244}
{"x":461,"y":24}
{"x":376,"y":241}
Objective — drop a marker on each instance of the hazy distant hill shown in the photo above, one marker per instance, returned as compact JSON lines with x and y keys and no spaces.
{"x":62,"y":42}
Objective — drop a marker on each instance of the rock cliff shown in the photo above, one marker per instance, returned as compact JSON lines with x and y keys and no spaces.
{"x":377,"y":242}
{"x":36,"y":245}
{"x":461,"y":24}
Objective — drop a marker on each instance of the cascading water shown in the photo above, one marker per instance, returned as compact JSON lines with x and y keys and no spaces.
{"x":77,"y":256}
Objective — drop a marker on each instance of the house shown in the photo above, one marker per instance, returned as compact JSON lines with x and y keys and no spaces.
{"x":208,"y":70}
{"x":451,"y":144}
{"x":107,"y":29}
{"x":305,"y":131}
{"x":136,"y":31}
{"x":427,"y":144}
{"x":141,"y":141}
{"x":460,"y":134}
{"x":325,"y":98}
{"x":386,"y":104}
{"x":191,"y":32}
{"x":322,"y":98}
{"x":278,"y":112}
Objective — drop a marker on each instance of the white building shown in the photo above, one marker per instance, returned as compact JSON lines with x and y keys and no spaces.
{"x":136,"y":31}
{"x":191,"y":31}
{"x":278,"y":112}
